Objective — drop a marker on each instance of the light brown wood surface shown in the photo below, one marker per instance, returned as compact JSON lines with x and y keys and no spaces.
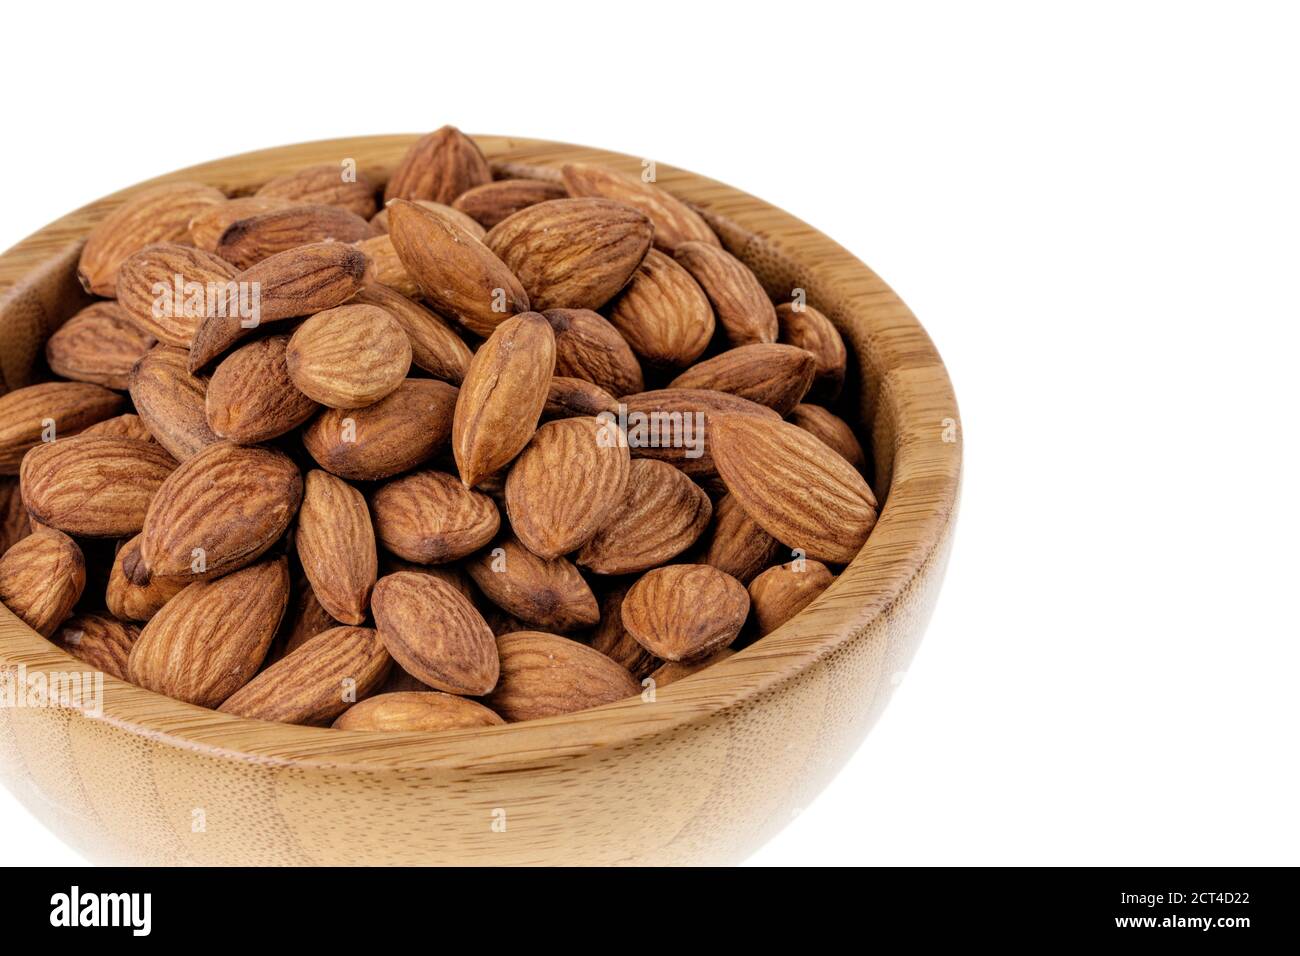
{"x":705,"y":773}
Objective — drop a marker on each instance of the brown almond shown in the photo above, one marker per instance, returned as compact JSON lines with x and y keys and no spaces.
{"x":248,"y":241}
{"x":738,"y":298}
{"x":98,"y":640}
{"x":674,"y":221}
{"x":543,"y":592}
{"x":490,"y":203}
{"x":664,"y":314}
{"x":171,"y":402}
{"x":589,"y":348}
{"x":832,"y":430}
{"x":129,"y":601}
{"x":209,"y":640}
{"x":348,"y":357}
{"x":121,"y":426}
{"x":808,"y":329}
{"x":15,"y":524}
{"x":612,"y":639}
{"x":431,"y":518}
{"x":435,"y":346}
{"x":387,"y":267}
{"x":49,"y":411}
{"x":380,"y":220}
{"x":574,"y":398}
{"x":250,"y":397}
{"x":796,"y":487}
{"x":423,"y":711}
{"x":435,"y":634}
{"x":336,"y":545}
{"x":779,"y":593}
{"x":662,"y":514}
{"x":572,"y":253}
{"x":207,"y":226}
{"x":327,"y":184}
{"x":671,"y":672}
{"x":305,"y":619}
{"x":685,"y":611}
{"x":169,"y":309}
{"x":439,"y":166}
{"x":737,"y":544}
{"x":41,"y":579}
{"x":544,"y":675}
{"x":99,"y":344}
{"x":777,"y":376}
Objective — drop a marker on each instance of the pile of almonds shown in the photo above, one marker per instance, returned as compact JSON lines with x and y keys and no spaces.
{"x":394,"y":473}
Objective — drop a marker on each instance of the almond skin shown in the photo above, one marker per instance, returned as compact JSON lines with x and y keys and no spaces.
{"x":502,"y":396}
{"x":172,"y":403}
{"x":129,"y":601}
{"x":562,"y":487}
{"x":71,"y":406}
{"x":431,"y":518}
{"x":435,"y":346}
{"x":435,"y":633}
{"x":305,"y":619}
{"x":99,"y":344}
{"x":459,"y":275}
{"x":572,"y":253}
{"x":146,"y":289}
{"x":387,"y":266}
{"x":544,"y":675}
{"x":380,"y":221}
{"x":207,"y":227}
{"x":439,"y":167}
{"x":589,"y":348}
{"x":251,"y":398}
{"x":738,"y":298}
{"x":777,"y":376}
{"x":612,"y":639}
{"x":159,"y":214}
{"x":209,"y":640}
{"x":662,"y":514}
{"x":423,"y":711}
{"x":317,"y":682}
{"x":348,"y":357}
{"x":810,"y":330}
{"x":780,"y":593}
{"x":490,"y":203}
{"x":542,"y":592}
{"x":228,"y":502}
{"x":672,"y":671}
{"x":324,"y":184}
{"x":574,"y":398}
{"x":674,"y":221}
{"x":93,"y":486}
{"x":738,"y":546}
{"x":664,"y":314}
{"x":797,"y":488}
{"x":41,"y":579}
{"x":14,"y":521}
{"x":248,"y":241}
{"x":121,"y":426}
{"x":832,"y":430}
{"x":98,"y":640}
{"x":665,"y":411}
{"x":336,"y":545}
{"x":685,"y":611}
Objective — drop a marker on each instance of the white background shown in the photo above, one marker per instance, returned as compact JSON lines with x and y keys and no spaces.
{"x":1092,"y":208}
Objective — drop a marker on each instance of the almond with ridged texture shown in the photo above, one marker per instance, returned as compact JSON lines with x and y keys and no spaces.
{"x":664,"y":314}
{"x":808,"y":329}
{"x":796,"y":487}
{"x":304,"y":619}
{"x":400,"y":431}
{"x":544,"y":675}
{"x":248,"y":241}
{"x":328,"y":184}
{"x":207,"y":227}
{"x":387,"y":267}
{"x":832,"y":430}
{"x":429,"y":517}
{"x":662,"y":514}
{"x":219,"y":511}
{"x":27,"y":416}
{"x":148,"y":293}
{"x":317,"y":682}
{"x":99,"y":641}
{"x":455,"y":216}
{"x":171,"y":402}
{"x":780,"y":593}
{"x":572,"y":253}
{"x":682,"y":414}
{"x":423,"y":711}
{"x":129,"y":601}
{"x":777,"y":376}
{"x":589,"y":348}
{"x":458,"y":274}
{"x":159,"y":214}
{"x":612,"y":639}
{"x":490,"y":203}
{"x":574,"y":398}
{"x":685,"y":611}
{"x":121,"y":426}
{"x":336,"y":545}
{"x":435,"y":633}
{"x":439,"y":167}
{"x":41,"y":579}
{"x":435,"y":346}
{"x":15,"y":524}
{"x":670,"y":672}
{"x":348,"y":357}
{"x":543,"y":592}
{"x":502,"y":396}
{"x":563,"y":486}
{"x":250,"y":397}
{"x":738,"y":298}
{"x":93,"y":486}
{"x":99,"y":344}
{"x":674,"y":221}
{"x":737,"y":544}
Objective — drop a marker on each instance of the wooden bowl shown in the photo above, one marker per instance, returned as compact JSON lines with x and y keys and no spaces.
{"x":705,"y":774}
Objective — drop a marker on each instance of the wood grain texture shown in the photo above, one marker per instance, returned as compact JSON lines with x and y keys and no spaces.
{"x":706,"y":773}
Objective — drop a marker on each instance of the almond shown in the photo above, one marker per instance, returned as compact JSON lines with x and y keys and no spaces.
{"x":93,"y":486}
{"x":672,"y":671}
{"x":15,"y":524}
{"x":41,"y":578}
{"x":562,"y":487}
{"x":780,"y":593}
{"x":159,"y":214}
{"x":810,"y":330}
{"x":543,"y":675}
{"x":663,"y":313}
{"x":166,"y":289}
{"x":380,"y":221}
{"x":171,"y":402}
{"x":251,"y":398}
{"x":674,"y":221}
{"x":738,"y":298}
{"x":430,"y":518}
{"x":777,"y":376}
{"x":317,"y":682}
{"x":336,"y":545}
{"x":249,"y":241}
{"x":662,"y":514}
{"x":796,"y":487}
{"x":612,"y":639}
{"x":738,"y":546}
{"x":435,"y":346}
{"x":671,"y":425}
{"x":490,"y":203}
{"x":502,"y":396}
{"x":832,"y":430}
{"x":326,"y":184}
{"x":219,"y":511}
{"x":572,"y":253}
{"x":208,"y":225}
{"x":574,"y":398}
{"x":49,"y":411}
{"x":99,"y":344}
{"x":305,"y":619}
{"x":589,"y":348}
{"x":348,"y":357}
{"x":121,"y":426}
{"x":439,"y":166}
{"x":129,"y":601}
{"x":459,"y":275}
{"x":539,"y":591}
{"x":685,"y":611}
{"x":387,"y":267}
{"x":98,"y":640}
{"x":209,"y":640}
{"x":425,"y":711}
{"x":435,"y":634}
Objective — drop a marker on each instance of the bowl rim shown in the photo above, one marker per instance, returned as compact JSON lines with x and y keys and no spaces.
{"x":922,"y":498}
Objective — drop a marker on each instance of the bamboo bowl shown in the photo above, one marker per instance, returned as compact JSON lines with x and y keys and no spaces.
{"x":705,"y":774}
